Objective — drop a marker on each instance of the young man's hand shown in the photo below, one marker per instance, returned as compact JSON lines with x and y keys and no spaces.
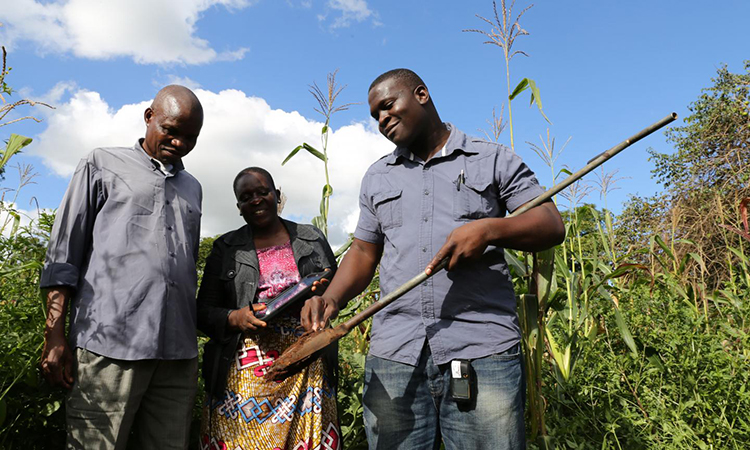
{"x":465,"y":243}
{"x":317,"y":311}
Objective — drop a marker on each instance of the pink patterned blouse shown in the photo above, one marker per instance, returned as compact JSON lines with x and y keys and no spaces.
{"x":278,"y":271}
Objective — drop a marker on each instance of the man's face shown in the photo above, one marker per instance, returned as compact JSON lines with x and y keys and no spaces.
{"x":171,"y":131}
{"x":399,"y":110}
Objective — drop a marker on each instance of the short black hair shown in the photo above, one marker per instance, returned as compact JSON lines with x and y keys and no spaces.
{"x":258,"y":170}
{"x":405,"y":76}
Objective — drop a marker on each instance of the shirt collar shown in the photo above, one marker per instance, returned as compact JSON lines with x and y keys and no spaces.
{"x":169,"y":170}
{"x":456,"y":142}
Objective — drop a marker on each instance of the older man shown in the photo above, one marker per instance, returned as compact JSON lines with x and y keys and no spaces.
{"x":122,"y":255}
{"x":445,"y":360}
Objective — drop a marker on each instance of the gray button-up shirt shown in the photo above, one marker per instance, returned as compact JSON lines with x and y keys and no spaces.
{"x":410,"y":207}
{"x":126,"y":238}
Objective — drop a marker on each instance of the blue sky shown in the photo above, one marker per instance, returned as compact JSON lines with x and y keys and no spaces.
{"x":605,"y":70}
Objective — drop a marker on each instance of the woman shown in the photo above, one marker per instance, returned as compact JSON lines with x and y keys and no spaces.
{"x":246,"y":268}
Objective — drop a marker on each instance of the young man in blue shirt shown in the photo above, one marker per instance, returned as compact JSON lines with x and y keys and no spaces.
{"x":439,"y":194}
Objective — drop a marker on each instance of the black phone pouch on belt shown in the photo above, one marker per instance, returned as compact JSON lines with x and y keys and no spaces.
{"x":461,"y":380}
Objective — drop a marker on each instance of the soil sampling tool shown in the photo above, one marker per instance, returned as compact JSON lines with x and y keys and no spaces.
{"x":311,"y":342}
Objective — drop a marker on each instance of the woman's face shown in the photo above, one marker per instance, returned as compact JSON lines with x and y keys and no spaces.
{"x":257,"y":200}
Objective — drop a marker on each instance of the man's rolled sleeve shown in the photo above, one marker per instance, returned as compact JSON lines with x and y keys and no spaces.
{"x":71,"y":233}
{"x":518,"y":183}
{"x":368,"y":226}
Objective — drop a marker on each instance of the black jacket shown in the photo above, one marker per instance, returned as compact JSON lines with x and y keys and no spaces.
{"x":230,"y":280}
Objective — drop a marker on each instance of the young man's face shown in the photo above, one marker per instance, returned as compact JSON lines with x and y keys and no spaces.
{"x":171,"y":131}
{"x":399,"y":110}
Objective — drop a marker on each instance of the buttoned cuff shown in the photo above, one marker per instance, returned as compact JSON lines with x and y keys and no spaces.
{"x":59,"y":274}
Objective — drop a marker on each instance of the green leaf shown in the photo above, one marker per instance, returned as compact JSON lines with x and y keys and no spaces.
{"x":51,"y":407}
{"x":546,"y":442}
{"x":593,"y":332}
{"x":294,"y":152}
{"x":20,"y":268}
{"x":656,"y":362}
{"x":318,"y":222}
{"x":561,"y":265}
{"x":739,"y":254}
{"x":324,"y":130}
{"x":515,"y":263}
{"x":530,"y":310}
{"x":522,"y":86}
{"x":699,"y":260}
{"x":544,"y":273}
{"x":314,"y":152}
{"x":323,"y":207}
{"x":536,"y":98}
{"x":664,"y":247}
{"x":624,"y":330}
{"x":557,"y":356}
{"x":564,"y":171}
{"x":16,"y":221}
{"x":619,"y":271}
{"x":14,"y":145}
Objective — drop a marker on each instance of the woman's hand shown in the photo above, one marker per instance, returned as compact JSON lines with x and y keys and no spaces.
{"x":244,"y":319}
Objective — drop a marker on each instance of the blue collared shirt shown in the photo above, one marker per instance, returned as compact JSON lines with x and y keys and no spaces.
{"x":126,"y":239}
{"x":410,"y":207}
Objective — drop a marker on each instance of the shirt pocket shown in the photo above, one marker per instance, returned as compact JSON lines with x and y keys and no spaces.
{"x":388,"y":208}
{"x":191,"y":212}
{"x":474,"y":198}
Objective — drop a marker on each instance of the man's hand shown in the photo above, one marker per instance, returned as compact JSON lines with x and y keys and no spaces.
{"x":535,"y":230}
{"x":244,"y":319}
{"x":465,"y":243}
{"x":317,"y":311}
{"x":57,"y":361}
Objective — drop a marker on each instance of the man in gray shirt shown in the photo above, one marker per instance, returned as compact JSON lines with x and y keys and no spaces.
{"x":439,"y":194}
{"x":122,"y":256}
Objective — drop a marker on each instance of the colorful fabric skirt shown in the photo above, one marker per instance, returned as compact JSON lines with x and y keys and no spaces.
{"x":298,"y":413}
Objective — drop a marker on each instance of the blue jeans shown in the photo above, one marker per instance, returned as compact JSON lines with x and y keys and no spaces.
{"x":408,"y":407}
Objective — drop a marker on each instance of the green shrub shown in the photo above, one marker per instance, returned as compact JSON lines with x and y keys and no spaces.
{"x":30,"y":411}
{"x":685,"y":390}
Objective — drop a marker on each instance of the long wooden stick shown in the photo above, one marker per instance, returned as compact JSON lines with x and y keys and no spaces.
{"x":592,"y":164}
{"x":313,"y":342}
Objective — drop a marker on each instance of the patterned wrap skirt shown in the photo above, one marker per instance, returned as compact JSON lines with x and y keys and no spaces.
{"x":298,"y":413}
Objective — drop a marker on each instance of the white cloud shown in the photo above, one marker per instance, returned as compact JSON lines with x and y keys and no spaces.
{"x":144,"y":30}
{"x":182,"y":81}
{"x":351,"y":11}
{"x":239,"y":131}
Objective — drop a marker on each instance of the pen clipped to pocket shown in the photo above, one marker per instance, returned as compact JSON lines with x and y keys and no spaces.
{"x":460,"y":180}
